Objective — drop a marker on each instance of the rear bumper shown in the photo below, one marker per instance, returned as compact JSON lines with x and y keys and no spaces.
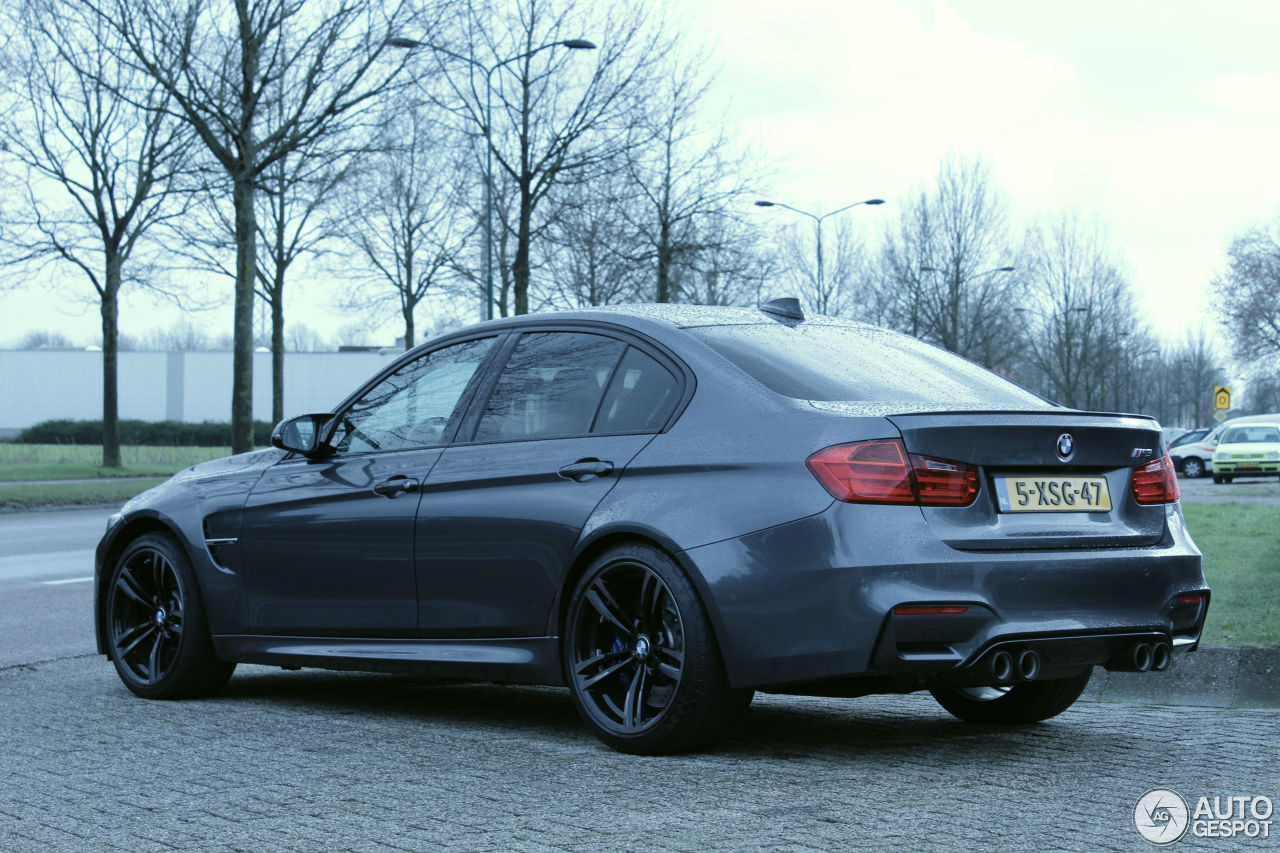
{"x":814,"y":600}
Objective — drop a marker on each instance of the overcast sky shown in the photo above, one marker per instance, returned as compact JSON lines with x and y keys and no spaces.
{"x":1161,"y":118}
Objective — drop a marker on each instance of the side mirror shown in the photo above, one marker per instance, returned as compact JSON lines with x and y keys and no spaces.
{"x":301,"y":434}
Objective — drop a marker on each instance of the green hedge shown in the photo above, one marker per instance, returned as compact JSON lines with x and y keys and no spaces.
{"x":147,"y":433}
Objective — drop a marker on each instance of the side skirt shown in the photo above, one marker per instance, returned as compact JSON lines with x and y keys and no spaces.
{"x":520,"y":660}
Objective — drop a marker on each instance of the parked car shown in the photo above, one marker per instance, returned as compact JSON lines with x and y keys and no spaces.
{"x":1191,"y":454}
{"x":1247,"y":450}
{"x":1195,"y":459}
{"x":666,"y":509}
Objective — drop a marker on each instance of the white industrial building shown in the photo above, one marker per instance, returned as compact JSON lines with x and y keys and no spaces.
{"x":52,"y":384}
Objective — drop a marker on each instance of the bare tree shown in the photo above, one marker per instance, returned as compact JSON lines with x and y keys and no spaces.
{"x":223,"y":64}
{"x":731,"y":269}
{"x":402,"y":213}
{"x":589,"y":238}
{"x":833,"y":288}
{"x":42,"y":338}
{"x":101,"y":152}
{"x":945,"y":267}
{"x":1247,"y":293}
{"x":1082,"y":302}
{"x":684,"y":170}
{"x":550,"y":111}
{"x":295,"y":190}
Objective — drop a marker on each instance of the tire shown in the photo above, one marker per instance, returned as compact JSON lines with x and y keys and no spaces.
{"x":1028,"y":702}
{"x":1192,"y":467}
{"x":1217,"y":478}
{"x":157,"y":635}
{"x":641,"y":658}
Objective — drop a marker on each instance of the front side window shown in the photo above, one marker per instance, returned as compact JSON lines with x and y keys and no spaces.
{"x":413,"y":406}
{"x":551,"y":386}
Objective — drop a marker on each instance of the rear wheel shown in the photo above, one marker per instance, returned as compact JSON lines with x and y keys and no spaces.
{"x":157,"y":636}
{"x":1027,"y":702}
{"x":1192,"y":467}
{"x":641,"y":658}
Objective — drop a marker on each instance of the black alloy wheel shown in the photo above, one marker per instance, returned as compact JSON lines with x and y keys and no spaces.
{"x":640,"y":656}
{"x":156,"y":632}
{"x":1013,"y":704}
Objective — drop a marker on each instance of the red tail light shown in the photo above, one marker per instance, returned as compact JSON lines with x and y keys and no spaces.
{"x":930,"y":610}
{"x":883,"y":472}
{"x":1155,"y":482}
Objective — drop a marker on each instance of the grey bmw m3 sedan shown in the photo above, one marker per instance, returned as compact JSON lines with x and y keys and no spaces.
{"x":666,"y":509}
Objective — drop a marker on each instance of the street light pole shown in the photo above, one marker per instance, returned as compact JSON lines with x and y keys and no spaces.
{"x":413,"y":44}
{"x":817,"y":225}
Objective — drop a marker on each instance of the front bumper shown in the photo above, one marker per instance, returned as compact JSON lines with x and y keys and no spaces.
{"x":1248,"y":468}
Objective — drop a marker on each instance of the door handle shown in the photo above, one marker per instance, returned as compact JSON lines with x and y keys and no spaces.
{"x":585,"y":470}
{"x":397,"y":485}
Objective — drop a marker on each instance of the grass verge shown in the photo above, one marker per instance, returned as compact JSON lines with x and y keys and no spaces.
{"x":106,"y":491}
{"x":1242,"y":564}
{"x":81,"y":462}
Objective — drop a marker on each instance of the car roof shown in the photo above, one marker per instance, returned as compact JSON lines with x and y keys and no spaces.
{"x":676,"y":316}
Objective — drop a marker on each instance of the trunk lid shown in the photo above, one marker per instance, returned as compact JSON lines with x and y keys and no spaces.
{"x":1031,"y":496}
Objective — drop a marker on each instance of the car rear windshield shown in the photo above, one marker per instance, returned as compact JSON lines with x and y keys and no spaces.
{"x":860,"y":363}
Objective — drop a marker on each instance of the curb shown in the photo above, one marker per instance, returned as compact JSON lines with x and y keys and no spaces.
{"x":1211,"y":677}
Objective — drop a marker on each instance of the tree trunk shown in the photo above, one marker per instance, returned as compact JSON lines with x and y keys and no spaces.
{"x":407,"y":311}
{"x":664,"y":264}
{"x":520,"y":269}
{"x":277,"y":348}
{"x":110,"y":351}
{"x":242,"y":347}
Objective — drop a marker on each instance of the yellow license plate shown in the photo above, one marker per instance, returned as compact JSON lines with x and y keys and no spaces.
{"x":1053,"y":494}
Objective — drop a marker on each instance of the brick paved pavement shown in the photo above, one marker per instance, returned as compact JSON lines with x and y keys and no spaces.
{"x":325,"y":762}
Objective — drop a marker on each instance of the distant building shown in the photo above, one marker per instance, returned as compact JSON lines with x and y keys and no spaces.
{"x":51,"y":384}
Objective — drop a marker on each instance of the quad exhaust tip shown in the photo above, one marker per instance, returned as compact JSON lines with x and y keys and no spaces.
{"x":1002,"y":666}
{"x":1028,"y":665}
{"x":1150,"y":657}
{"x":1006,"y":666}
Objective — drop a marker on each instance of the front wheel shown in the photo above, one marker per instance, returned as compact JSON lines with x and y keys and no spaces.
{"x":1028,"y":702}
{"x":641,"y":658}
{"x":157,"y":636}
{"x":1192,"y":467}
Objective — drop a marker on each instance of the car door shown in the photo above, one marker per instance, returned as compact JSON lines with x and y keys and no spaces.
{"x":327,"y":543}
{"x":502,"y":512}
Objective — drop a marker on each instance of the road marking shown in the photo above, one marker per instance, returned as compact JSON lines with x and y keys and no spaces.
{"x":68,"y":580}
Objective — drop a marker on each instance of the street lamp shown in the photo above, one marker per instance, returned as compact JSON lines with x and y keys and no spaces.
{"x":817,"y":223}
{"x":414,"y":44}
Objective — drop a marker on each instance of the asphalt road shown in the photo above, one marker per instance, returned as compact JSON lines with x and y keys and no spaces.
{"x":46,"y":583}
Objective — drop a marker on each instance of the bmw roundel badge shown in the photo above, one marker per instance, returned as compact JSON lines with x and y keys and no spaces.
{"x":1066,"y":446}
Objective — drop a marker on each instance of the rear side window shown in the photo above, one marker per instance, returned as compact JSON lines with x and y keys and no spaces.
{"x":551,"y":386}
{"x":640,"y":398}
{"x":860,"y":363}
